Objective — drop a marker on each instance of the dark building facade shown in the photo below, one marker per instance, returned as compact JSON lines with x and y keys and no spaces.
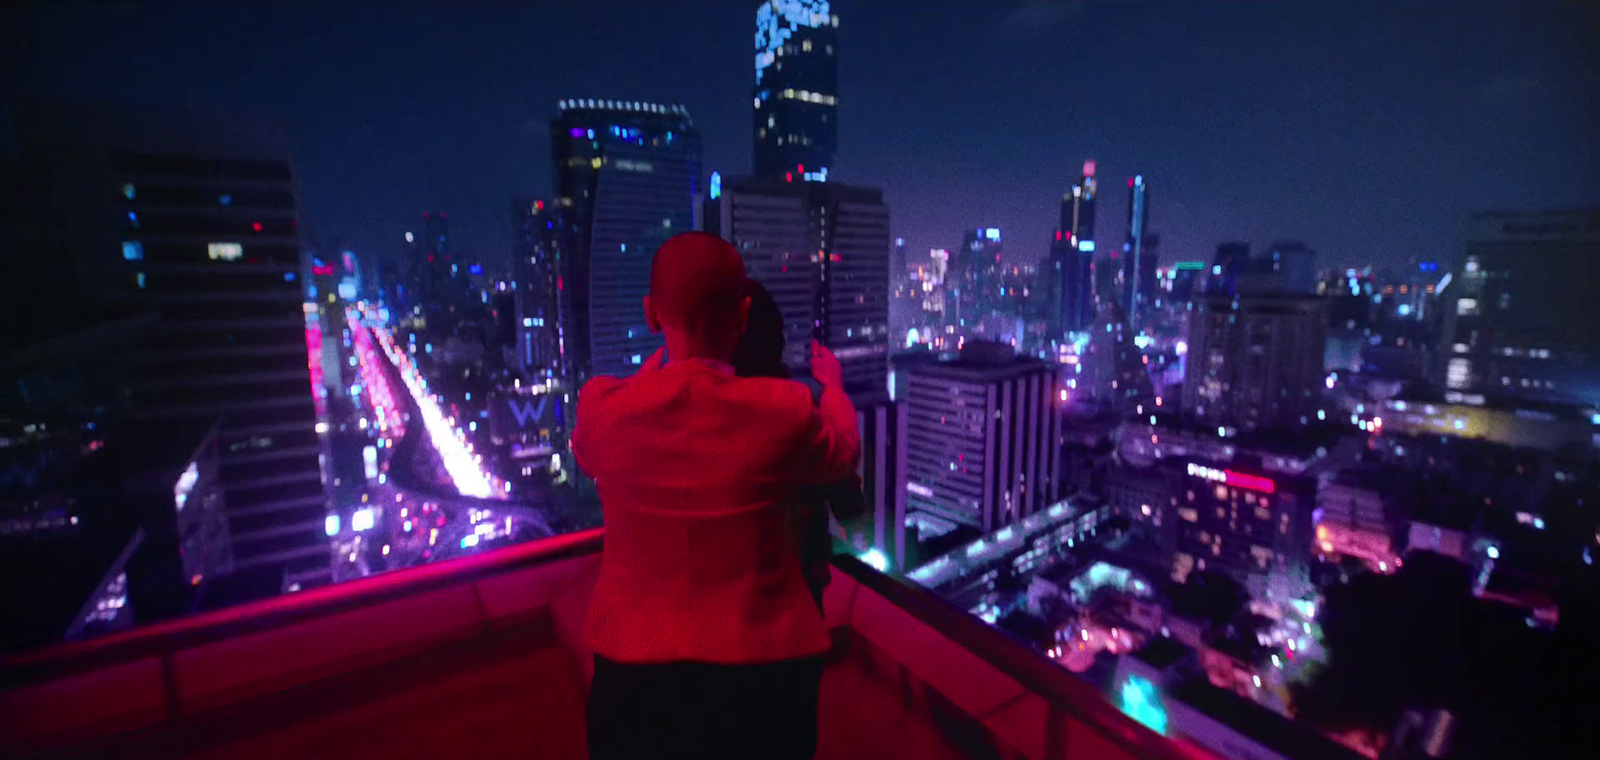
{"x":1514,"y":308}
{"x":626,"y":177}
{"x":979,"y":441}
{"x":823,"y":251}
{"x":1255,"y":361}
{"x":536,"y":269}
{"x":796,"y":95}
{"x":1231,"y":261}
{"x":193,"y":216}
{"x":1071,"y":264}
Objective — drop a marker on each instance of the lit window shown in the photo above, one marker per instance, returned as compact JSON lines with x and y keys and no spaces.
{"x":224,"y":251}
{"x":132,"y":250}
{"x":1466,"y":307}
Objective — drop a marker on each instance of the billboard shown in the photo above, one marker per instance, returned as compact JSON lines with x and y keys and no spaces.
{"x":523,"y":416}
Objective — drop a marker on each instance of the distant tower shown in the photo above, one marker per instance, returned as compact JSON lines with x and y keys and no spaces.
{"x":1138,"y":261}
{"x":796,"y":95}
{"x":1071,"y":264}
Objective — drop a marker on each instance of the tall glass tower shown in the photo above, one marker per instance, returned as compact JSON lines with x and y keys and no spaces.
{"x":1138,"y":260}
{"x":796,"y":96}
{"x":1071,"y":264}
{"x":626,"y":174}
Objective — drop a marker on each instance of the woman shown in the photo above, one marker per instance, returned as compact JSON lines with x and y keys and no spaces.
{"x":759,"y":353}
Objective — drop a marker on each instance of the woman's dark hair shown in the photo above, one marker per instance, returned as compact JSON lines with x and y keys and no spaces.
{"x":759,"y":352}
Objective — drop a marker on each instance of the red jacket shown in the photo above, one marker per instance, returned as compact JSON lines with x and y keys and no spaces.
{"x":695,"y":468}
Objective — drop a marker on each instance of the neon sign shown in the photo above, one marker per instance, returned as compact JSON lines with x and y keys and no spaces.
{"x":1229,"y":477}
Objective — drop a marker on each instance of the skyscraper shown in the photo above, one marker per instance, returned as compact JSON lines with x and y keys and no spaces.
{"x":536,"y":268}
{"x":1255,"y":361}
{"x":978,"y":446}
{"x":1077,"y":209}
{"x":626,"y":174}
{"x":823,"y":251}
{"x":1514,"y":307}
{"x":194,"y":216}
{"x":1071,"y":264}
{"x":796,"y":94}
{"x":1138,"y":258}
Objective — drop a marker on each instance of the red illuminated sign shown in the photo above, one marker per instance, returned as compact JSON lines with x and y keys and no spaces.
{"x":1239,"y":479}
{"x":1252,"y":482}
{"x":322,"y":271}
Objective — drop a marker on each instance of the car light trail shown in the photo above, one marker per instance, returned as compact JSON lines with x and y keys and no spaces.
{"x":459,"y":461}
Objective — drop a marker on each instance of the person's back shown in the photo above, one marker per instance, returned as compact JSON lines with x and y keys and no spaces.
{"x":706,"y":641}
{"x":699,"y":564}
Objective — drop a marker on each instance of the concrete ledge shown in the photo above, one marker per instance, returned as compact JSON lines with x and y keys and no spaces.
{"x":103,"y":702}
{"x":263,"y":663}
{"x":975,"y":686}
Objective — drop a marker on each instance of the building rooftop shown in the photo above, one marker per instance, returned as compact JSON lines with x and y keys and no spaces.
{"x":1162,"y":652}
{"x":1258,"y":724}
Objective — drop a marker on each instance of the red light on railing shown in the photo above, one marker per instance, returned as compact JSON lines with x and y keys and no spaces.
{"x":255,"y":226}
{"x":1252,"y":482}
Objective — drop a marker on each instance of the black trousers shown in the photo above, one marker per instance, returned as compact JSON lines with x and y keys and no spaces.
{"x":704,"y":711}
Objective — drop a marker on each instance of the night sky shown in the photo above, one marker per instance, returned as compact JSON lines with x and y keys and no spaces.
{"x":1368,"y":131}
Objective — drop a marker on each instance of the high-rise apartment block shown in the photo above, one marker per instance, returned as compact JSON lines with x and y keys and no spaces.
{"x":979,"y":443}
{"x":1255,"y":361}
{"x":1514,"y":308}
{"x":796,"y":95}
{"x":626,"y":176}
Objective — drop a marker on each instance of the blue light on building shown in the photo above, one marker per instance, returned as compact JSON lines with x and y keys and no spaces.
{"x":1140,"y":701}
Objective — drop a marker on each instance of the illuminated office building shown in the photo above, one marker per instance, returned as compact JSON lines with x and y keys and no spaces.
{"x":1515,"y":307}
{"x":626,"y":175}
{"x":1255,"y":361}
{"x":1138,"y":253}
{"x":1071,"y":264}
{"x":796,"y":94}
{"x":193,"y":216}
{"x":978,"y":447}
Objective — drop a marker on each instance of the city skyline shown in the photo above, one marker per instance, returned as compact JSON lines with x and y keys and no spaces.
{"x":303,"y":295}
{"x":1348,"y":139}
